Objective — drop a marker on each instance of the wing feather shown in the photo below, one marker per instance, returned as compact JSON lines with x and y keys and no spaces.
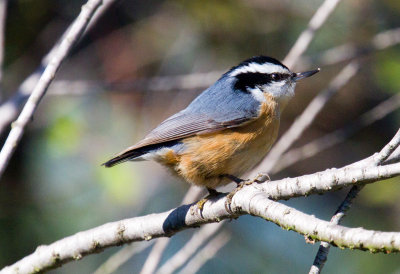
{"x":178,"y":127}
{"x":219,"y":107}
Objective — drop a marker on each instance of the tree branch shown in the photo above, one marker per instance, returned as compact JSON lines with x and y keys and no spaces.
{"x":307,"y":35}
{"x":120,"y":257}
{"x":253,"y":199}
{"x":244,"y":201}
{"x":308,"y":115}
{"x":189,"y":248}
{"x":206,"y":253}
{"x":316,"y":146}
{"x":10,"y":108}
{"x":153,"y":259}
{"x":46,"y":78}
{"x":377,"y":159}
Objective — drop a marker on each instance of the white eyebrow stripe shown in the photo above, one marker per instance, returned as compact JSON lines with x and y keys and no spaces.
{"x":255,"y":67}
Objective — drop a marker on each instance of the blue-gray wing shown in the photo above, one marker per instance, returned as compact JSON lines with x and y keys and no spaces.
{"x":184,"y":125}
{"x":216,"y":109}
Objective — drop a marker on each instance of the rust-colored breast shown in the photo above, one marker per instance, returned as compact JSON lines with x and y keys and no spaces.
{"x":232,"y":151}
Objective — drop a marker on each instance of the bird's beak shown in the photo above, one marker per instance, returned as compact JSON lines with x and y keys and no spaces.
{"x":300,"y":75}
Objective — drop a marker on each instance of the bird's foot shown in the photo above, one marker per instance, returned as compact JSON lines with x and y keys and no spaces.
{"x":260,"y":178}
{"x":211,"y":194}
{"x":240,"y":184}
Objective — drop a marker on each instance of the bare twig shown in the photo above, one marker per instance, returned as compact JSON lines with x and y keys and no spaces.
{"x":3,"y":13}
{"x":207,"y":253}
{"x":323,"y":251}
{"x":349,"y":51}
{"x":340,"y":135}
{"x":197,"y":81}
{"x":379,"y":158}
{"x":48,"y":75}
{"x":153,"y":259}
{"x":9,"y":109}
{"x":307,"y":35}
{"x":306,"y":118}
{"x":120,"y":257}
{"x":189,"y":249}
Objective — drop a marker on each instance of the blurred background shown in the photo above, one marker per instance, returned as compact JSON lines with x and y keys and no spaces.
{"x":127,"y":74}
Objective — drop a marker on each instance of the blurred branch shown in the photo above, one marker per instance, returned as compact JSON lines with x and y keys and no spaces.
{"x":307,"y":35}
{"x":198,"y":81}
{"x":253,"y":199}
{"x":349,"y":51}
{"x":340,"y":135}
{"x":303,"y":121}
{"x":45,"y":79}
{"x":120,"y":257}
{"x":207,"y":253}
{"x":322,"y":254}
{"x":153,"y":259}
{"x":3,"y":14}
{"x":10,"y":108}
{"x":378,"y":159}
{"x":189,"y":249}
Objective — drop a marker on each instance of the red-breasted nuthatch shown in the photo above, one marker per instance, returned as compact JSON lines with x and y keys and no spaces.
{"x":226,"y":130}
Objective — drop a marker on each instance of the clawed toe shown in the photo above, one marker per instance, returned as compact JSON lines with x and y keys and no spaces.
{"x":229,"y":197}
{"x":212,"y":193}
{"x":262,"y":177}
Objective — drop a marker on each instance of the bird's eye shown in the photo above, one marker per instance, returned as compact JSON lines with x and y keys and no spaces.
{"x":276,"y":76}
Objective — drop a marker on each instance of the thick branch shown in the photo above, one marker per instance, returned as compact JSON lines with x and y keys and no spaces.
{"x":330,"y":179}
{"x":249,"y":200}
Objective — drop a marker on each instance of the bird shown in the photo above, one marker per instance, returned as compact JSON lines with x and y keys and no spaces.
{"x":226,"y":130}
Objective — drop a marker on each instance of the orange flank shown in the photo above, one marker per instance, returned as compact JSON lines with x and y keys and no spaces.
{"x":231,"y":151}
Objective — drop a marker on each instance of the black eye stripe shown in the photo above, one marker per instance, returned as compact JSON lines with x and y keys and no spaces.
{"x":279,"y":76}
{"x":253,"y":79}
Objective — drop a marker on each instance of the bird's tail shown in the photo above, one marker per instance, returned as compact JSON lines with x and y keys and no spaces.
{"x":123,"y":157}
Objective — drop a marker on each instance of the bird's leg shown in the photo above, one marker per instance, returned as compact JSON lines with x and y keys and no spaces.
{"x":261,"y":177}
{"x":211,"y":193}
{"x":235,"y":179}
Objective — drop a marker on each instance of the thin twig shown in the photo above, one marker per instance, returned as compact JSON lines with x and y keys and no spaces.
{"x":340,"y":135}
{"x":181,"y":257}
{"x":120,"y":257}
{"x":3,"y":14}
{"x":323,"y":251}
{"x":346,"y":52}
{"x":198,"y":81}
{"x":307,"y":35}
{"x":208,"y":252}
{"x":9,"y":109}
{"x":46,"y":78}
{"x":154,"y":257}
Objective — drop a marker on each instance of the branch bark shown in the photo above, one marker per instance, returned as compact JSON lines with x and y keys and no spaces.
{"x":254,"y":199}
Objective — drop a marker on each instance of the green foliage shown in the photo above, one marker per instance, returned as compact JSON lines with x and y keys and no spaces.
{"x":387,"y":71}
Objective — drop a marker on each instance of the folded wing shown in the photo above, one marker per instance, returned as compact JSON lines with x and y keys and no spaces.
{"x":179,"y":126}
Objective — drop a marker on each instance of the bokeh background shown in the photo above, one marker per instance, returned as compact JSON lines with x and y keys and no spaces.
{"x":102,"y":102}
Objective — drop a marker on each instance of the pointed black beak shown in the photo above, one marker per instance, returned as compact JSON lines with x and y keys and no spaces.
{"x":300,"y":75}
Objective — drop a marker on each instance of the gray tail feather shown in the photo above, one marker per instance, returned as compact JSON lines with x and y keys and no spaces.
{"x":123,"y":158}
{"x":134,"y":153}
